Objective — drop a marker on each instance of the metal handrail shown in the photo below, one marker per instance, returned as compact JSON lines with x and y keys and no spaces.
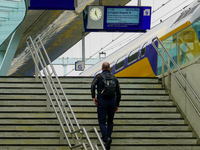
{"x":35,"y":49}
{"x":173,"y":74}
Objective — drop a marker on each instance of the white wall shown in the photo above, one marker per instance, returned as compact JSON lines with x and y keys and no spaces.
{"x":192,"y":74}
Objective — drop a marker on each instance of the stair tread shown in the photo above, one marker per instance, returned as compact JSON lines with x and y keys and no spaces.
{"x":88,"y":109}
{"x":132,"y":128}
{"x":114,"y":147}
{"x":150,"y":141}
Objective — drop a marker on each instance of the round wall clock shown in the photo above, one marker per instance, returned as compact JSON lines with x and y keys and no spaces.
{"x":95,"y":13}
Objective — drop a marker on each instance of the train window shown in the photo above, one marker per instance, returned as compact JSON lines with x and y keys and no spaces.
{"x":120,"y":63}
{"x":133,"y":56}
{"x":143,"y":50}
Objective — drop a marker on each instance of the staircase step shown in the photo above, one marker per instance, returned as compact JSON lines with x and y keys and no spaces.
{"x":148,"y":147}
{"x":117,"y":128}
{"x":80,"y":91}
{"x":93,"y":121}
{"x":129,"y":134}
{"x":127,"y":103}
{"x":87,"y":80}
{"x":157,"y":147}
{"x":151,"y":141}
{"x":24,"y":108}
{"x":77,"y":86}
{"x":91,"y":115}
{"x":135,"y":121}
{"x":88,"y":96}
{"x":143,"y":141}
{"x":147,"y":118}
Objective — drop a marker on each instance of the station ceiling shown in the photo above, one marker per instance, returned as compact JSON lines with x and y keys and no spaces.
{"x":59,"y":31}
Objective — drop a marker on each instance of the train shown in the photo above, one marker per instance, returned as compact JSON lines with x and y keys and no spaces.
{"x":180,"y":35}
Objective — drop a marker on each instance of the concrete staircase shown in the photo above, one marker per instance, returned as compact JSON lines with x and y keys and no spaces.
{"x":147,"y":118}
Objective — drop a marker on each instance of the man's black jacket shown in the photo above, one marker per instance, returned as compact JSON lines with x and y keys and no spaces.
{"x":97,"y":80}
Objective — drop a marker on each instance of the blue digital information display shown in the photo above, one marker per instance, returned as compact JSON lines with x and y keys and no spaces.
{"x":121,"y":19}
{"x":52,"y":5}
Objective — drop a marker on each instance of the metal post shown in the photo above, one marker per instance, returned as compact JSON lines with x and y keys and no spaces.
{"x":83,"y":49}
{"x":36,"y":71}
{"x":65,"y":70}
{"x":75,"y":3}
{"x":169,"y":77}
{"x":163,"y":70}
{"x":100,"y":2}
{"x":139,"y":3}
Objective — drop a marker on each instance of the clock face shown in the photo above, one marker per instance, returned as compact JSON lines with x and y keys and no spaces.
{"x":95,"y":13}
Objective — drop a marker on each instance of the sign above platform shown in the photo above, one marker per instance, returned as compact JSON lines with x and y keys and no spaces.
{"x":79,"y":66}
{"x":117,"y":18}
{"x":52,"y":4}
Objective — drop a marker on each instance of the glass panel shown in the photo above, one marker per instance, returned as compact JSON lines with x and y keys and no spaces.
{"x":12,"y":12}
{"x":120,"y":63}
{"x":170,"y":45}
{"x":188,"y":44}
{"x":183,"y":46}
{"x":159,"y":65}
{"x":133,"y":56}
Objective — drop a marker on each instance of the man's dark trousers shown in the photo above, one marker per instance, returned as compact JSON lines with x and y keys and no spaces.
{"x":106,"y":106}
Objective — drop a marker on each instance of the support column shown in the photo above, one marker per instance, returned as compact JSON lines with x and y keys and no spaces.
{"x":36,"y":71}
{"x":139,"y":3}
{"x":169,"y":77}
{"x":83,"y":49}
{"x":65,"y":69}
{"x":100,"y":2}
{"x":163,"y":71}
{"x":11,"y":50}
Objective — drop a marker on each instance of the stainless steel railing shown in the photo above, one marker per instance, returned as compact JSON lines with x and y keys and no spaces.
{"x":173,"y":74}
{"x":66,"y":118}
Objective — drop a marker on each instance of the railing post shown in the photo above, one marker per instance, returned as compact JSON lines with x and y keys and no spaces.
{"x":169,"y":77}
{"x":163,"y":70}
{"x":61,"y":132}
{"x":47,"y":99}
{"x":36,"y":71}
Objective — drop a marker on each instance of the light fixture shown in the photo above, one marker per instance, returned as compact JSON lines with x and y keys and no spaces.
{"x":102,"y":55}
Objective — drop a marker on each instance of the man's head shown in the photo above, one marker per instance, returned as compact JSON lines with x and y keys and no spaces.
{"x":106,"y":66}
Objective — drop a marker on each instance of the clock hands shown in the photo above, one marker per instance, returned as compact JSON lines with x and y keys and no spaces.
{"x":96,"y":13}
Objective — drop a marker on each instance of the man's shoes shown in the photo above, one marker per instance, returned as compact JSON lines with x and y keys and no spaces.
{"x":108,"y":142}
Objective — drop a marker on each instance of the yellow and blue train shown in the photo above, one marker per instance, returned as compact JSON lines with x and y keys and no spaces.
{"x":180,"y":34}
